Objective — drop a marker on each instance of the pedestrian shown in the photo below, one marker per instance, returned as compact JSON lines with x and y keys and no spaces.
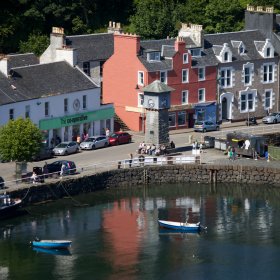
{"x":46,"y":170}
{"x":79,"y":139}
{"x":130,"y":159}
{"x":200,"y":148}
{"x":63,"y":169}
{"x":107,"y":132}
{"x":172,"y":145}
{"x":34,"y":178}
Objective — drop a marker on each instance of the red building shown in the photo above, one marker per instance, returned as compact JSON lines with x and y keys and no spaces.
{"x":180,"y":63}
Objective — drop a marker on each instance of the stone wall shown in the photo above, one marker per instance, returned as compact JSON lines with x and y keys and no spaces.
{"x":149,"y":175}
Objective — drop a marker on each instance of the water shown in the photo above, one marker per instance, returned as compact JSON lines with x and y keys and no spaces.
{"x":116,"y":235}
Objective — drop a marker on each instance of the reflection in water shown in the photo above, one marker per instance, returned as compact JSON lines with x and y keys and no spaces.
{"x":118,"y":235}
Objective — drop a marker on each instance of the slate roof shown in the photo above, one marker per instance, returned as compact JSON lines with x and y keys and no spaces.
{"x":157,"y":87}
{"x":42,"y":80}
{"x":92,"y":47}
{"x":19,"y":60}
{"x":165,"y":47}
{"x":248,"y":38}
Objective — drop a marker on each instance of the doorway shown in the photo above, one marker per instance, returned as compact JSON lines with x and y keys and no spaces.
{"x":224,"y":109}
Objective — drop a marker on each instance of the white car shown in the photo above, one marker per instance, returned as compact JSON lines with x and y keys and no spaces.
{"x":66,"y":148}
{"x":95,"y":142}
{"x":272,"y":118}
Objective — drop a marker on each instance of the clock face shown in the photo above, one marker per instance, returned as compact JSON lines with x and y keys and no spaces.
{"x":76,"y":105}
{"x":151,"y":103}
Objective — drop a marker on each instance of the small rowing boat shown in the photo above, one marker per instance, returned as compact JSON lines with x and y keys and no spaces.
{"x":188,"y":227}
{"x":51,"y":244}
{"x":8,"y":206}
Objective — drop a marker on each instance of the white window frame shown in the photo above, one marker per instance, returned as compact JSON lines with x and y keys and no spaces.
{"x":140,"y":99}
{"x":185,"y":58}
{"x":141,"y":78}
{"x":84,"y":102}
{"x":268,"y":76}
{"x":268,"y":98}
{"x":27,"y":111}
{"x":163,"y":76}
{"x":201,"y":92}
{"x":47,"y":109}
{"x":249,"y":74}
{"x":201,"y":73}
{"x":185,"y":77}
{"x":66,"y":105}
{"x":153,"y":56}
{"x":227,"y":77}
{"x":185,"y":97}
{"x":247,"y":101}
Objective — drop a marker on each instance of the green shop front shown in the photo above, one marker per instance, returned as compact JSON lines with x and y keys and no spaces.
{"x":69,"y":127}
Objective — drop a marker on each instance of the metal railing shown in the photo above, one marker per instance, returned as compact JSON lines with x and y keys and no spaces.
{"x":83,"y":170}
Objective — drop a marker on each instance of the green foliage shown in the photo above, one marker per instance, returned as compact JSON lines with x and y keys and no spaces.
{"x":20,"y":140}
{"x":36,"y":43}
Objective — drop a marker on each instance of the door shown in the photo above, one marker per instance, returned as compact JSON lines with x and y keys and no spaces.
{"x":224,"y":109}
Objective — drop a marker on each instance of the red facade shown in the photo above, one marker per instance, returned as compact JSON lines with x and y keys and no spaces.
{"x":120,"y":82}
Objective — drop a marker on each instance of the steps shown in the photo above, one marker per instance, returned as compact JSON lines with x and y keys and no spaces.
{"x":119,"y":124}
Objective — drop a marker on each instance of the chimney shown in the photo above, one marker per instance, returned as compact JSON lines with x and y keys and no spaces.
{"x":194,"y":32}
{"x":128,"y":44}
{"x":180,"y":45}
{"x":4,"y":65}
{"x":114,"y":27}
{"x":57,"y":38}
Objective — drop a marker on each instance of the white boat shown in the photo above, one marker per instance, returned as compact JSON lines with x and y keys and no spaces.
{"x":190,"y":227}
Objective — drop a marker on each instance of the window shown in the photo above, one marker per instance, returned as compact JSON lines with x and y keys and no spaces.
{"x":196,"y":52}
{"x":247,"y":101}
{"x":163,"y":77}
{"x":268,"y":52}
{"x":201,"y":74}
{"x":185,"y":76}
{"x":86,"y":68}
{"x":11,"y":114}
{"x":65,"y":105}
{"x":268,"y":73}
{"x":153,"y":56}
{"x":84,"y":101}
{"x":225,"y":79}
{"x":268,"y":99}
{"x":47,"y":109}
{"x":182,"y":118}
{"x":185,"y":58}
{"x":27,"y":111}
{"x":241,"y":49}
{"x":201,"y":95}
{"x":185,"y":97}
{"x":140,"y":78}
{"x":226,"y":56}
{"x":172,"y":119}
{"x":247,"y":75}
{"x":140,"y":99}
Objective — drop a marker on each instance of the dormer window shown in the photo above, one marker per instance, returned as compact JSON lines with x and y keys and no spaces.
{"x":154,"y":56}
{"x":241,"y":49}
{"x":196,"y":52}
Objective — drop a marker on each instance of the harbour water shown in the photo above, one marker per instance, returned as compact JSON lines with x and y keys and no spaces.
{"x":115,"y":235}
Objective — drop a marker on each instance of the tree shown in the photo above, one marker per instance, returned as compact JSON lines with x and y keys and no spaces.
{"x":36,"y":43}
{"x":20,"y":140}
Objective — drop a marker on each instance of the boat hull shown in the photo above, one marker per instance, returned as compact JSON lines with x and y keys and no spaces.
{"x":52,"y":244}
{"x":10,"y":210}
{"x":187,"y":227}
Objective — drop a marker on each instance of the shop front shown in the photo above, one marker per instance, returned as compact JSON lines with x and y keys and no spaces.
{"x":206,"y":111}
{"x":68,"y":128}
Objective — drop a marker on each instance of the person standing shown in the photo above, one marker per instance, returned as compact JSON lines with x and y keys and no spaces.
{"x":130,"y":159}
{"x":107,"y":132}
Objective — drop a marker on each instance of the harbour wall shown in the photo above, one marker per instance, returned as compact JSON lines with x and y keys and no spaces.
{"x":81,"y":183}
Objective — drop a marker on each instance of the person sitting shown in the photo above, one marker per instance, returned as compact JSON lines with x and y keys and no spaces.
{"x":163,"y":150}
{"x":157,"y":151}
{"x":148,"y":148}
{"x":172,"y":145}
{"x":34,"y":178}
{"x":153,"y":149}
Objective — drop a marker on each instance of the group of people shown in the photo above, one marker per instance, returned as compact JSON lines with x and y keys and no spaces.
{"x":152,"y":149}
{"x":197,"y":146}
{"x":232,"y":155}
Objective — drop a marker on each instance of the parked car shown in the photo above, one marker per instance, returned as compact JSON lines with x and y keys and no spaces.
{"x":272,"y":118}
{"x":2,"y":184}
{"x":66,"y":148}
{"x":119,"y":138}
{"x":44,"y":153}
{"x":55,"y":167}
{"x":95,"y":142}
{"x":204,"y":126}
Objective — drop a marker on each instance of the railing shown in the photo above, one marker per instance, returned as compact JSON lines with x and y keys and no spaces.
{"x":138,"y":162}
{"x":256,"y":130}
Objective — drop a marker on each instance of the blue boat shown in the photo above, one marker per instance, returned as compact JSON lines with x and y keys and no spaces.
{"x":187,"y":227}
{"x":51,"y":244}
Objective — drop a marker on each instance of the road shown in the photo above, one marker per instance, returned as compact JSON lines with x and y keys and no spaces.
{"x":116,"y":153}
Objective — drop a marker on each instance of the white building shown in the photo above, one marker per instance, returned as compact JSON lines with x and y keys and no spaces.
{"x":58,"y":97}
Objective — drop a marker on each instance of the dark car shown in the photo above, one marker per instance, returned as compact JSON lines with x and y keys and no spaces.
{"x":55,"y":167}
{"x":119,"y":138}
{"x":44,"y":153}
{"x":2,"y":185}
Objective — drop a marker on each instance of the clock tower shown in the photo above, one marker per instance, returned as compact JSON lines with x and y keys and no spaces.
{"x":157,"y":103}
